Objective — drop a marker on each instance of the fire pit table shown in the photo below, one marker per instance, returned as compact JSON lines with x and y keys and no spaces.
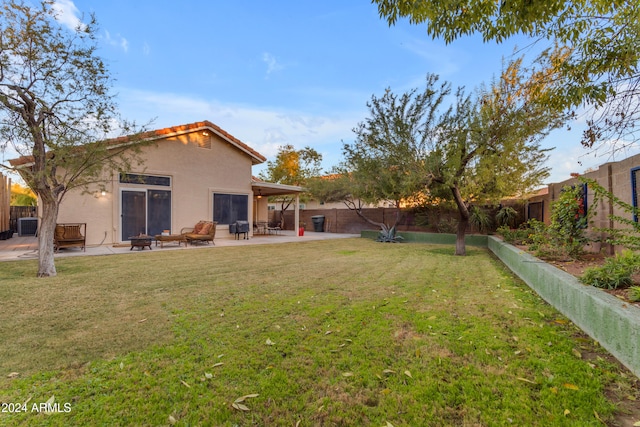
{"x":141,"y":241}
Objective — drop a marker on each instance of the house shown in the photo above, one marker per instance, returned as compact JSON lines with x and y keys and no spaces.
{"x":191,"y":172}
{"x":621,"y":178}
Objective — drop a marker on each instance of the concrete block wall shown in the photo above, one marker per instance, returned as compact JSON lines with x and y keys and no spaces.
{"x":613,"y":176}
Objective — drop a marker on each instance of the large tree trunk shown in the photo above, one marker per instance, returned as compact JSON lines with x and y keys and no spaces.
{"x":46,"y":265}
{"x":463,"y":210}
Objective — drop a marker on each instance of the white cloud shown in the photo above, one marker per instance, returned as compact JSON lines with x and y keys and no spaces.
{"x":262,"y":128}
{"x":117,"y":41}
{"x":67,"y":14}
{"x":442,"y":59}
{"x":272,"y":64}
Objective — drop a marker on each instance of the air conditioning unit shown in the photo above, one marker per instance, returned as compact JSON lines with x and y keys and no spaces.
{"x":27,"y":226}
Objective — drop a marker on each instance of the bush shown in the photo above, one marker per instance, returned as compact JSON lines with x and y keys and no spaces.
{"x":480,"y":219}
{"x":634,"y":294}
{"x":449,"y":225}
{"x":516,"y":236}
{"x":506,"y":216}
{"x":615,"y":273}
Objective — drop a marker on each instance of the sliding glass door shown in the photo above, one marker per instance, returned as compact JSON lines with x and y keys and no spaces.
{"x":145,"y":212}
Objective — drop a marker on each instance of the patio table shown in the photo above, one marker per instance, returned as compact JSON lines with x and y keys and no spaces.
{"x":162,"y":238}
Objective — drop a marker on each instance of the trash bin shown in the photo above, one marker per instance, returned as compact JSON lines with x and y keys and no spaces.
{"x":318,"y":222}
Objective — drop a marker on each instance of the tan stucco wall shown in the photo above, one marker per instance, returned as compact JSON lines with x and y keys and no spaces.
{"x":196,"y":173}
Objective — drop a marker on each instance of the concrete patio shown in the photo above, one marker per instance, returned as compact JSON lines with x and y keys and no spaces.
{"x":26,"y":247}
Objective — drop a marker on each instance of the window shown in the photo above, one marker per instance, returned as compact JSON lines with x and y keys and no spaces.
{"x":133,"y":178}
{"x":579,"y":192}
{"x":536,"y":211}
{"x":229,"y":208}
{"x":635,"y":177}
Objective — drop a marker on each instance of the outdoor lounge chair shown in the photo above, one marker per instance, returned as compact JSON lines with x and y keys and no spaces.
{"x":204,"y":231}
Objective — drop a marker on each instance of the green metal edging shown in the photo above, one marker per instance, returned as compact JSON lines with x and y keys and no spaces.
{"x":605,"y":318}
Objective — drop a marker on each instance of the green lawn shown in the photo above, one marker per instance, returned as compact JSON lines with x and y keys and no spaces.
{"x":337,"y":332}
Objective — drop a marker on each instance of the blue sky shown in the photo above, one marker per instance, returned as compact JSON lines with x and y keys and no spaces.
{"x":283,"y":72}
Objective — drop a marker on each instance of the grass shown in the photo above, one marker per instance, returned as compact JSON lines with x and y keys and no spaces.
{"x":339,"y":332}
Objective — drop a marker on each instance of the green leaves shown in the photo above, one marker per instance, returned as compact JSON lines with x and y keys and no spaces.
{"x":599,"y":39}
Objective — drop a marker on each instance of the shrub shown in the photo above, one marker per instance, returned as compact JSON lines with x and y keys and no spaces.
{"x":516,"y":236}
{"x":615,"y":273}
{"x":566,"y":236}
{"x":506,"y":216}
{"x":569,"y":221}
{"x":388,"y":235}
{"x":480,"y":219}
{"x":634,"y":293}
{"x":449,"y":225}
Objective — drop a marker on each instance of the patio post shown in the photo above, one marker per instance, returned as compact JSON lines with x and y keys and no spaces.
{"x":296,"y":225}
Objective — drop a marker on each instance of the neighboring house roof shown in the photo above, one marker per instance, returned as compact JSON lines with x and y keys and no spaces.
{"x":256,"y":158}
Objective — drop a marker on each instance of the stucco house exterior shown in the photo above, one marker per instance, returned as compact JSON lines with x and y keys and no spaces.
{"x":190,"y":173}
{"x":618,"y":177}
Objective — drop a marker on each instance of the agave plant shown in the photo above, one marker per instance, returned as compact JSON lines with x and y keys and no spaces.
{"x":388,"y":235}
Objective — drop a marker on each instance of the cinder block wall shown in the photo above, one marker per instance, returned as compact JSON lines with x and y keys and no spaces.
{"x":613,"y":176}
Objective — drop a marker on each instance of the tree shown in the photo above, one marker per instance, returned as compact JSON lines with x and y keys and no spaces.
{"x":600,"y":37}
{"x":54,"y":107}
{"x":21,"y":196}
{"x":478,"y":150}
{"x":488,"y":146}
{"x":387,"y":160}
{"x":292,"y":167}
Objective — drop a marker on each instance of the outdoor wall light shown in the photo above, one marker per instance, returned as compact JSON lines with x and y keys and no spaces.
{"x":103,"y":193}
{"x":259,"y":194}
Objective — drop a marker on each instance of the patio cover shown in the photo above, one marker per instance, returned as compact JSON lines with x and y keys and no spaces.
{"x":267,"y":189}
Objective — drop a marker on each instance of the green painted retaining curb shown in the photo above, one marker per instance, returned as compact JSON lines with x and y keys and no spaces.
{"x":434,"y":238}
{"x":605,"y":318}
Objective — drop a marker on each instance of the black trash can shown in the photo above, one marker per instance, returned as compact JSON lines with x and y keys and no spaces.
{"x":318,"y":222}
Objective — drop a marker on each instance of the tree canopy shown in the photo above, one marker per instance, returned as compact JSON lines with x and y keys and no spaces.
{"x":292,"y":167}
{"x":489,"y":147}
{"x":464,"y":148}
{"x":600,"y":38}
{"x":386,"y":162}
{"x":55,"y":107}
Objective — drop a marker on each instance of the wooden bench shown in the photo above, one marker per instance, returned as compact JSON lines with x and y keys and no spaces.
{"x":70,"y":235}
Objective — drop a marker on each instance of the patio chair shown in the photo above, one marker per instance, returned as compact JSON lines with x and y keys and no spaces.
{"x":204,"y":231}
{"x":274,"y":227}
